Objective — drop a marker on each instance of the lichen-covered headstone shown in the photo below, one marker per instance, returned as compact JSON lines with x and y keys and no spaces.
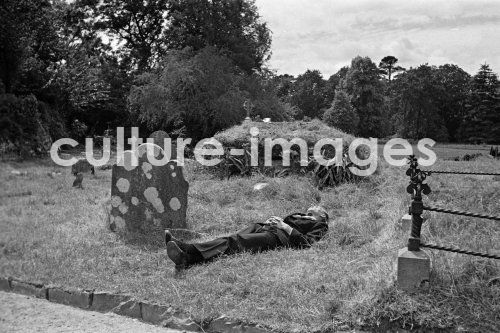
{"x":148,"y":197}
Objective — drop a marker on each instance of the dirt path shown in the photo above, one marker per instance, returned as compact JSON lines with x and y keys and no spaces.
{"x":20,"y":313}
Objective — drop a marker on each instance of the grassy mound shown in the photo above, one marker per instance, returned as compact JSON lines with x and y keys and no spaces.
{"x":311,"y":132}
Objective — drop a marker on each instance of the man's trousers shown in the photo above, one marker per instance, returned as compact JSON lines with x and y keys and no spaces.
{"x":254,"y":238}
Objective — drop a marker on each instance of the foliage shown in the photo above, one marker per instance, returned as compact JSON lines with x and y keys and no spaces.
{"x":308,"y":94}
{"x":261,"y":92}
{"x":21,"y":125}
{"x":29,"y":45}
{"x":417,"y":93}
{"x":79,"y":60}
{"x":362,"y":83}
{"x":333,"y":83}
{"x":233,"y":26}
{"x":341,"y":114}
{"x":139,"y":26}
{"x":236,"y":165}
{"x":284,"y":86}
{"x":199,"y":91}
{"x":388,"y":67}
{"x":332,"y":175}
{"x":453,"y":84}
{"x":482,"y":118}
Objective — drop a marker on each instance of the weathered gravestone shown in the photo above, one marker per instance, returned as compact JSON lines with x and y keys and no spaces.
{"x":147,"y":197}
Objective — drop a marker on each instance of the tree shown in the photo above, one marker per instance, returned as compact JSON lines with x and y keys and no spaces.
{"x":262,"y":91}
{"x":482,"y":118}
{"x":232,"y":26}
{"x":416,"y":97}
{"x":137,"y":26}
{"x":332,"y":84}
{"x":21,"y":124}
{"x":363,"y":85}
{"x":341,"y":114}
{"x":29,"y":45}
{"x":195,"y":93}
{"x":284,"y":86}
{"x":308,"y":92}
{"x":454,"y":87}
{"x":388,"y":66}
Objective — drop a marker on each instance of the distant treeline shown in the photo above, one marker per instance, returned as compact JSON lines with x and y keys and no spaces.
{"x":193,"y":68}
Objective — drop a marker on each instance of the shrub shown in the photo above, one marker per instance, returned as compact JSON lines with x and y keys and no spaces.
{"x":199,"y":91}
{"x":21,"y":125}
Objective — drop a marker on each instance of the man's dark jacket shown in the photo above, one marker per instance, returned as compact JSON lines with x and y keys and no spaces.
{"x":262,"y":236}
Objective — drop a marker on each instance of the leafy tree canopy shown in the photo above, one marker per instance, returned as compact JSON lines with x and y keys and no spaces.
{"x":233,"y":26}
{"x":196,"y":94}
{"x":388,"y":67}
{"x":341,"y":114}
{"x":363,"y":85}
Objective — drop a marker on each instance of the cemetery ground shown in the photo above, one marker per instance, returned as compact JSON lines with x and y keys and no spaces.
{"x":55,"y":234}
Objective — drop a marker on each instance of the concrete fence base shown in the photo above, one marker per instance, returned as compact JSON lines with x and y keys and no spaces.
{"x":413,"y":270}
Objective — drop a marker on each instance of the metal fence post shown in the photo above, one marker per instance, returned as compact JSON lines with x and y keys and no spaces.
{"x":413,"y":265}
{"x":416,"y":210}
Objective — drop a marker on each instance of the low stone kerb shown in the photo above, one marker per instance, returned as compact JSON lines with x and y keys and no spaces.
{"x":78,"y":298}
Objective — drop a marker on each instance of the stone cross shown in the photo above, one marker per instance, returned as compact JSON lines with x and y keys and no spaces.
{"x":147,"y":197}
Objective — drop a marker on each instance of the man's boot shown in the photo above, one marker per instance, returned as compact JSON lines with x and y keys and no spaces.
{"x":179,"y":257}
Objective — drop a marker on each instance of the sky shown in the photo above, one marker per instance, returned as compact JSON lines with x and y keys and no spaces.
{"x":327,"y":34}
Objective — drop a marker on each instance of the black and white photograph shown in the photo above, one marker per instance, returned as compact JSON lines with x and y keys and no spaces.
{"x":249,"y":166}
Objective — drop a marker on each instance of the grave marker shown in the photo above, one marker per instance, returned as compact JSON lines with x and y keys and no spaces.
{"x":147,"y":196}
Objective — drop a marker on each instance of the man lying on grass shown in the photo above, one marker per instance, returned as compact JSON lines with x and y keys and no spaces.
{"x":295,"y":231}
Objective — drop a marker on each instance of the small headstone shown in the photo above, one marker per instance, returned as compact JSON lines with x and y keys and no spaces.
{"x":82,"y":165}
{"x":78,"y":182}
{"x":147,"y":197}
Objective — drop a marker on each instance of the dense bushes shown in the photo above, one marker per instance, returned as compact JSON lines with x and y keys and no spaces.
{"x":198,"y":92}
{"x":26,"y":124}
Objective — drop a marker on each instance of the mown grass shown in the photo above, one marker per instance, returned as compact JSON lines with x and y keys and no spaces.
{"x":447,"y":151}
{"x":59,"y":235}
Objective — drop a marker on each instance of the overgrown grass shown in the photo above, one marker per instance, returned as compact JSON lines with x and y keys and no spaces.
{"x":311,"y":132}
{"x":58,"y":235}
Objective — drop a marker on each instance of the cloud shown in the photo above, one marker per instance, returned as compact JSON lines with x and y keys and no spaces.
{"x":326,"y":34}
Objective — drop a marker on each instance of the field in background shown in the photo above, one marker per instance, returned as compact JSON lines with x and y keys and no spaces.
{"x":448,"y":151}
{"x":59,"y":235}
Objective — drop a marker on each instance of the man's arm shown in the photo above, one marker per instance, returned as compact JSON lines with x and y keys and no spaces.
{"x":315,"y":234}
{"x":299,"y":239}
